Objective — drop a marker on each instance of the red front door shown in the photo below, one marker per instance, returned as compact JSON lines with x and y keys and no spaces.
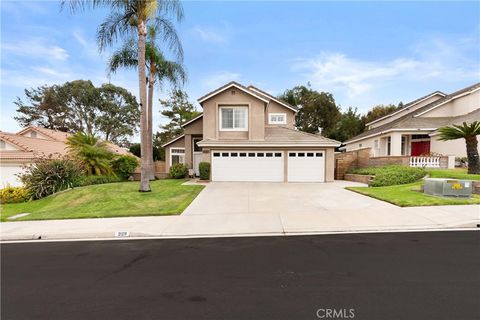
{"x":420,"y":148}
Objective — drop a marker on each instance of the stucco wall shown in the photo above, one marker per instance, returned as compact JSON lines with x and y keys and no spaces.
{"x":457,"y":107}
{"x":9,"y":146}
{"x":405,"y":111}
{"x":256,"y":115}
{"x":452,"y":147}
{"x":274,"y":107}
{"x":194,"y":128}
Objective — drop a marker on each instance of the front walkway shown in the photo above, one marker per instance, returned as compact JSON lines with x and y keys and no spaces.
{"x":243,"y":209}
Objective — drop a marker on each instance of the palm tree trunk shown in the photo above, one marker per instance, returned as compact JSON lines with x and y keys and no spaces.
{"x":144,"y":179}
{"x":472,"y":155}
{"x":151,"y":163}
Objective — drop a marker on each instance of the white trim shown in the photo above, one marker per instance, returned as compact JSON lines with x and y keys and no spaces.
{"x":170,"y":153}
{"x":279,"y":145}
{"x":407,"y":108}
{"x":214,"y":93}
{"x":390,"y":130}
{"x":171,"y":141}
{"x":220,"y":123}
{"x":277,"y":114}
{"x":276,"y":100}
{"x":445,"y":102}
{"x":192,"y":120}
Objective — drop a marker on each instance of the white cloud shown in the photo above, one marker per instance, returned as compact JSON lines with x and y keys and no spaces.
{"x":219,"y":79}
{"x":89,"y":47}
{"x":36,"y":48}
{"x":213,"y":35}
{"x":356,"y":81}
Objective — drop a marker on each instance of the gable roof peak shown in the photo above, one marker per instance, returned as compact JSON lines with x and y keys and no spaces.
{"x":229,"y":85}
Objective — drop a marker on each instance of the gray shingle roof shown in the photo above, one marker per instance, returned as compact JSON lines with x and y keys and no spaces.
{"x":410,"y":121}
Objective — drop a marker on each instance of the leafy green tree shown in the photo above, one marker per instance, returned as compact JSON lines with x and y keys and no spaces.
{"x":350,"y":125}
{"x":127,"y":19}
{"x":469,"y":132}
{"x":380,"y":111}
{"x":91,"y":152}
{"x":317,"y":110}
{"x":109,"y":111}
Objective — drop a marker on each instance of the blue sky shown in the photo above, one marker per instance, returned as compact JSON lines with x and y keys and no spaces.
{"x":365,"y":53}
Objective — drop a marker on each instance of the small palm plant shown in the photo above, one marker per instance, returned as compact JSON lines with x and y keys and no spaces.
{"x":92,"y":153}
{"x":469,"y":132}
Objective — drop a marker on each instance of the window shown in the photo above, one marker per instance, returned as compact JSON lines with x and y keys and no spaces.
{"x":243,"y":154}
{"x":319,"y":154}
{"x":216,"y":154}
{"x":33,"y":134}
{"x":360,"y":145}
{"x":234,"y":118}
{"x":389,"y":145}
{"x":301,"y":154}
{"x":292,"y":154}
{"x":278,"y":154}
{"x":310,"y":154}
{"x":233,"y":154}
{"x":196,"y":148}
{"x":2,"y":144}
{"x":251,"y":154}
{"x":269,"y":154}
{"x":277,"y":118}
{"x":177,"y":155}
{"x":224,"y":154}
{"x":260,"y":154}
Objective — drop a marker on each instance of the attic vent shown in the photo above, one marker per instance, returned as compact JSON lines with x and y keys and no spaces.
{"x":233,"y":92}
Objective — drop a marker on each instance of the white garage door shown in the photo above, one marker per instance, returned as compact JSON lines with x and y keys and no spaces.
{"x":306,"y":166}
{"x":8,"y":175}
{"x":247,"y":166}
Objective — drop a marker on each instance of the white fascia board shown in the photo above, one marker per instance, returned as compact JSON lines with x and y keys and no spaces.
{"x":445,"y":102}
{"x":277,"y":101}
{"x":232,"y":85}
{"x":270,"y":145}
{"x":172,"y":141}
{"x":403,"y":109}
{"x":389,"y":130}
{"x":192,"y":120}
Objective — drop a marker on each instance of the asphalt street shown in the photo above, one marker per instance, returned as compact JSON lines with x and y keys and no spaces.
{"x":427,"y":275}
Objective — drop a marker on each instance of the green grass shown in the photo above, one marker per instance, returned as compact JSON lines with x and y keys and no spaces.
{"x":406,"y":196}
{"x":459,"y":173}
{"x":168,"y":197}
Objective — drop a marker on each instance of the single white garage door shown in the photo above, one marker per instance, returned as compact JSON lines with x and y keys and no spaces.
{"x":247,"y":166}
{"x":306,"y":166}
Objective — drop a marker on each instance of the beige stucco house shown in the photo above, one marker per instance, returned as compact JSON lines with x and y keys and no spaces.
{"x":248,"y":135}
{"x":22,"y":148}
{"x":412,"y":130}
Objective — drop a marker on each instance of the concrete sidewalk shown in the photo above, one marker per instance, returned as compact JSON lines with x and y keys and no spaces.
{"x":240,"y":224}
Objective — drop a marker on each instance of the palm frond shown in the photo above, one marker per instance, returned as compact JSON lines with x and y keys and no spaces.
{"x":114,"y":27}
{"x":464,"y":130}
{"x":166,"y":31}
{"x":125,"y":57}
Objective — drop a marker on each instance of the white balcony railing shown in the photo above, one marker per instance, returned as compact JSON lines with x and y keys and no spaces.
{"x":425,"y":162}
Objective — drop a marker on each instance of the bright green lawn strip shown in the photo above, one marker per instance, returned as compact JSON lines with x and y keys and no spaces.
{"x":452,"y":174}
{"x":168,"y":197}
{"x":406,"y":196}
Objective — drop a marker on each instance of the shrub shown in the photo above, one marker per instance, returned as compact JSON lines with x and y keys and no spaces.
{"x":91,"y":152}
{"x":178,"y":171}
{"x":391,"y":175}
{"x":49,"y":175}
{"x":204,"y":168}
{"x":89,"y":180}
{"x":124,"y":166}
{"x":13,"y":195}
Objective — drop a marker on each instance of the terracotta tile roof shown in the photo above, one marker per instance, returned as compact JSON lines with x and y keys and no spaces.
{"x":30,"y":148}
{"x":411,"y":120}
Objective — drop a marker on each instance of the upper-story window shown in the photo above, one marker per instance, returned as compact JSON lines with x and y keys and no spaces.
{"x":3,"y":145}
{"x":234,"y":118}
{"x":33,"y":134}
{"x":277,"y":118}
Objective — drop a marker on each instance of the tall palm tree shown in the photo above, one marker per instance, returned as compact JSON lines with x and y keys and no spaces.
{"x":127,"y":19}
{"x":159,"y":70}
{"x":469,"y":132}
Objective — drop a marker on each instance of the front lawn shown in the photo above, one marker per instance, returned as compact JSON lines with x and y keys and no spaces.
{"x":168,"y":197}
{"x":406,"y":196}
{"x":459,"y":173}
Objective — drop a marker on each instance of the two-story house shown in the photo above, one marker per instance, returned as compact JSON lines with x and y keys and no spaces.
{"x":412,"y":130}
{"x":248,"y":135}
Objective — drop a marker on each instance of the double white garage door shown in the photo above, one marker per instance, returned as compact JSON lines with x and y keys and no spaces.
{"x":268,"y":166}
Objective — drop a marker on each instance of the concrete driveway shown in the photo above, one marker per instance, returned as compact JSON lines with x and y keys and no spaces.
{"x":245,"y":197}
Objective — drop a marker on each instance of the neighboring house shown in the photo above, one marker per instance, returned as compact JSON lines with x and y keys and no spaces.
{"x":248,"y":135}
{"x":412,"y":130}
{"x":20,"y":149}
